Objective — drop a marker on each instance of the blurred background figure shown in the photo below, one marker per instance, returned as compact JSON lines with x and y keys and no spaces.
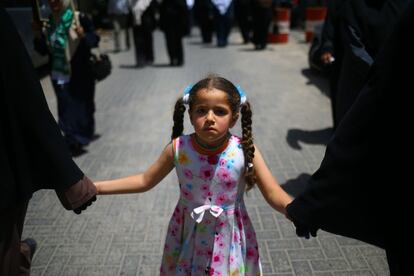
{"x":223,"y":20}
{"x":262,"y":16}
{"x":119,"y":11}
{"x":365,"y":26}
{"x":71,"y":75}
{"x":243,"y":16}
{"x":332,"y":49}
{"x":144,"y":23}
{"x":174,"y":20}
{"x":203,"y":15}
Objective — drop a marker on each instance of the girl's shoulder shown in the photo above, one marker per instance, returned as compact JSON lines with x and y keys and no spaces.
{"x":180,"y":141}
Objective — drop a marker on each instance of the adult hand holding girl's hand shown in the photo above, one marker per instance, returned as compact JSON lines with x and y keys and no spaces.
{"x":79,"y":196}
{"x":302,"y":230}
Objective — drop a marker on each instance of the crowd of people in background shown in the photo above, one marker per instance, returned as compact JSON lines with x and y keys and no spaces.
{"x":72,"y":73}
{"x":176,"y":18}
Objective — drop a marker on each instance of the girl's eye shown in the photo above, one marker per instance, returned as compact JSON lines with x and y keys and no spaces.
{"x":220,"y":112}
{"x":201,"y":111}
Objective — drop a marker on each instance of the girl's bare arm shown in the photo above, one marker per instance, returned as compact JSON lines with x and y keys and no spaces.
{"x":268,"y":185}
{"x":140,"y":182}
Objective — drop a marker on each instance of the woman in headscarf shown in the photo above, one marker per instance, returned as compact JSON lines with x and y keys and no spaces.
{"x":174,"y":21}
{"x":33,"y":154}
{"x":223,"y":20}
{"x":143,"y":26}
{"x":71,"y":70}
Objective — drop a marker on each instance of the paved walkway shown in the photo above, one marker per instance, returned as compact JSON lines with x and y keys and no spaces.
{"x":124,"y":234}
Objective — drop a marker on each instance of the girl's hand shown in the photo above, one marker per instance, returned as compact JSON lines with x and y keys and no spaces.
{"x":98,"y":186}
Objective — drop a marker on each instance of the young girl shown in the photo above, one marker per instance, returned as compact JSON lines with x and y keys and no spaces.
{"x":210,"y":232}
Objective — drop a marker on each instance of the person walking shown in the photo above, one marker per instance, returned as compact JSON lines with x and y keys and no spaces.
{"x":210,"y":231}
{"x":223,"y":20}
{"x":144,"y":24}
{"x":174,"y":20}
{"x":261,"y":18}
{"x":33,"y":153}
{"x":242,"y":11}
{"x":72,"y":75}
{"x":332,"y":49}
{"x":119,"y":11}
{"x":203,"y":14}
{"x":366,"y":26}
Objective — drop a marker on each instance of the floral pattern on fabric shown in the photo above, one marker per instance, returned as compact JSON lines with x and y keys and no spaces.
{"x":210,"y":232}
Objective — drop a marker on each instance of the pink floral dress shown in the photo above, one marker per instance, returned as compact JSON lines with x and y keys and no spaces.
{"x":210,"y":232}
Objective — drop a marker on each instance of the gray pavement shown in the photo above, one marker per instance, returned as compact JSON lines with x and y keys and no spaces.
{"x":124,"y":234}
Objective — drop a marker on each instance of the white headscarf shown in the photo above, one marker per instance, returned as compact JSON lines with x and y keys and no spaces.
{"x":222,"y":5}
{"x":138,"y":8}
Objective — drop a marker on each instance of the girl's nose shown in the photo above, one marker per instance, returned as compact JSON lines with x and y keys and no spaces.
{"x":210,"y":116}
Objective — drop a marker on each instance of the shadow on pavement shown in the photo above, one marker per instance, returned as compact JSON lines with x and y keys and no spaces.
{"x":297,"y":185}
{"x":128,"y":66}
{"x":318,"y":79}
{"x":162,"y":65}
{"x":319,"y":136}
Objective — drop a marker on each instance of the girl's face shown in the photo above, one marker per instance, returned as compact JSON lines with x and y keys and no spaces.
{"x":211,"y":116}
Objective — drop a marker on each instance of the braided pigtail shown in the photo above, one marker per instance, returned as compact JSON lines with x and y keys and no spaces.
{"x":178,"y":117}
{"x":247,"y":144}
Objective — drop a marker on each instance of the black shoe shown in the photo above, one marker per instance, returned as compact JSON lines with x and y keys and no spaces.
{"x":176,"y":62}
{"x":32,"y":244}
{"x":259,"y":47}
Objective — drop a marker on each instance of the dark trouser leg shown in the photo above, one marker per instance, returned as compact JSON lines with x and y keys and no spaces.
{"x":14,"y":258}
{"x":83,"y":109}
{"x":207,"y":28}
{"x":174,"y":47}
{"x":139,"y":41}
{"x":223,"y":23}
{"x":116,"y":31}
{"x":220,"y":29}
{"x":242,"y":12}
{"x":261,"y":20}
{"x":148,"y":46}
{"x":65,"y":105}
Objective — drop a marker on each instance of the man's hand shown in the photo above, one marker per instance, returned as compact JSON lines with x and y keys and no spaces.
{"x":79,"y":196}
{"x":302,"y":230}
{"x":84,"y":206}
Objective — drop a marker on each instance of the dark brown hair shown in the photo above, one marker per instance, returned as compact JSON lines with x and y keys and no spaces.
{"x":214,"y":81}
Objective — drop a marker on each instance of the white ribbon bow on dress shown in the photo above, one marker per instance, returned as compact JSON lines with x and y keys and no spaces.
{"x":198,"y":213}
